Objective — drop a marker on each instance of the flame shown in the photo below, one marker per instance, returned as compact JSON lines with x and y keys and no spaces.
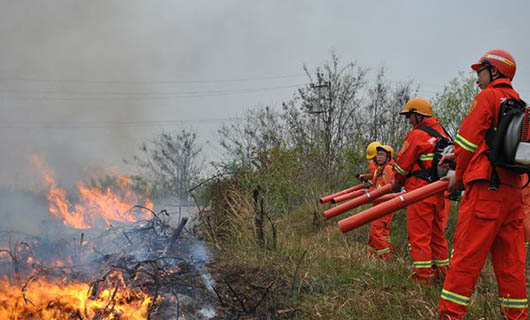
{"x":47,"y":300}
{"x":95,"y":205}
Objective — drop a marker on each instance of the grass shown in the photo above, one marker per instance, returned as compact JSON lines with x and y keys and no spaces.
{"x":319,"y":273}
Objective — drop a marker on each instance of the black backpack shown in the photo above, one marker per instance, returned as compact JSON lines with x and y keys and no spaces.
{"x":441,"y":144}
{"x":509,"y":143}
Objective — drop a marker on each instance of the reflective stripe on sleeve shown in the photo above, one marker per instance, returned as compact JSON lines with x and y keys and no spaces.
{"x":400,"y":171}
{"x":461,"y":141}
{"x":455,"y":297}
{"x":427,"y":157}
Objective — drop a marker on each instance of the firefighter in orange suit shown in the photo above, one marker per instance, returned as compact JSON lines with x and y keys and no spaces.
{"x":490,"y":213}
{"x":426,"y":219}
{"x":371,"y":152}
{"x":379,"y":234}
{"x":392,"y":161}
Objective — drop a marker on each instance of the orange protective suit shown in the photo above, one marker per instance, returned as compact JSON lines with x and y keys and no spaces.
{"x":489,"y":222}
{"x":371,"y":168}
{"x":426,"y":219}
{"x":379,"y":234}
{"x":526,"y":209}
{"x":447,"y":207}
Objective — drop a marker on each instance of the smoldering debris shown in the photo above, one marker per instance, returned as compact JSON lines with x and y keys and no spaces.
{"x":148,"y":269}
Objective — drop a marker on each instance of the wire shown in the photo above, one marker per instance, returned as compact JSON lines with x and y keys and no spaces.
{"x":147,"y":95}
{"x":143,"y":82}
{"x":108,"y":124}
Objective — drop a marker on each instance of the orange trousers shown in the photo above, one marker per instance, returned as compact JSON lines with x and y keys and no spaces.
{"x":526,"y":209}
{"x":447,"y":207}
{"x":488,"y":222}
{"x":426,"y":222}
{"x":379,"y":237}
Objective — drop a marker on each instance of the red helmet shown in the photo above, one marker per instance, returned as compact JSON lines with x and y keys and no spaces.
{"x":500,"y":59}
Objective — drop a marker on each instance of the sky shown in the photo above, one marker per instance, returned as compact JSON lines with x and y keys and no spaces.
{"x":84,"y":83}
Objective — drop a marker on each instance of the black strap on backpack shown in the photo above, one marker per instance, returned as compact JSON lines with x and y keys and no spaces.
{"x":423,"y":173}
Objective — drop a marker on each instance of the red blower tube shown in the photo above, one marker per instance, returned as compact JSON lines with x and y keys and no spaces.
{"x":365,"y":198}
{"x":390,"y":206}
{"x":386,"y":197}
{"x":348,"y":196}
{"x":340,"y":193}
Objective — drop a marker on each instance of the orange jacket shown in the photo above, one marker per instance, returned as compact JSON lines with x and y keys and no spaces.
{"x":383,"y":176}
{"x":418,"y":146}
{"x":371,"y":168}
{"x":470,"y":144}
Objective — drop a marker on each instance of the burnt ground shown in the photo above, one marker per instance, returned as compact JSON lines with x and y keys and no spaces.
{"x":245,"y":292}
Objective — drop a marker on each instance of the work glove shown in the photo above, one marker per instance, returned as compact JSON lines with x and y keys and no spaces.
{"x":455,"y":185}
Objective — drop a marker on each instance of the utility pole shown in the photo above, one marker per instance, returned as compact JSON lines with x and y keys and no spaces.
{"x":327,"y":118}
{"x":321,"y":84}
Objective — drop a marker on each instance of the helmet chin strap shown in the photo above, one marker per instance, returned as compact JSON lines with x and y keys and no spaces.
{"x":499,"y":75}
{"x":416,"y":118}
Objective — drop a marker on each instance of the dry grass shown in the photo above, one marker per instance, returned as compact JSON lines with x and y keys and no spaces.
{"x":320,"y":273}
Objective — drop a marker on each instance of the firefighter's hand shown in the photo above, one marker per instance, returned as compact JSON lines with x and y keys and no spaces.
{"x":454,"y":183}
{"x":447,"y":161}
{"x":363,"y":177}
{"x":396,"y":187}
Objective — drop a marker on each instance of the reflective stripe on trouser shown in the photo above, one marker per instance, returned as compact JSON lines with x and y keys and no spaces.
{"x":455,"y":297}
{"x":488,"y":222}
{"x":379,"y":252}
{"x":426,"y":222}
{"x":441,"y":263}
{"x":379,"y":235}
{"x":513,"y":303}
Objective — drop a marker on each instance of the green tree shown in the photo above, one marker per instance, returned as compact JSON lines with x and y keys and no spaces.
{"x":453,"y":103}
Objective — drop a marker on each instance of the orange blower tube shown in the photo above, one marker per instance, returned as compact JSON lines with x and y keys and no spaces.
{"x":340,"y":193}
{"x":390,"y":206}
{"x":354,"y":203}
{"x":348,"y":196}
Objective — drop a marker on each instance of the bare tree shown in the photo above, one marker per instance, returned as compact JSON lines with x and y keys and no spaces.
{"x":172,"y":163}
{"x":320,"y":117}
{"x":247,"y":142}
{"x":379,"y":118}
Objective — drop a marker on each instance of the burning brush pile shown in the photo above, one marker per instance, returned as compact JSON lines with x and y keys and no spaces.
{"x":140,"y":265}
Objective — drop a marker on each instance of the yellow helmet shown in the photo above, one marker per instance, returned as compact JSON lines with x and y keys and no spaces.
{"x":418,"y":105}
{"x":389,"y":149}
{"x":371,"y":150}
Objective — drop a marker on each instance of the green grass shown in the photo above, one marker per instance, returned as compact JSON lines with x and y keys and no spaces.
{"x":326,"y":274}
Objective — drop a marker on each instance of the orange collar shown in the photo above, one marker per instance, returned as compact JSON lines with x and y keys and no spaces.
{"x":500,"y":81}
